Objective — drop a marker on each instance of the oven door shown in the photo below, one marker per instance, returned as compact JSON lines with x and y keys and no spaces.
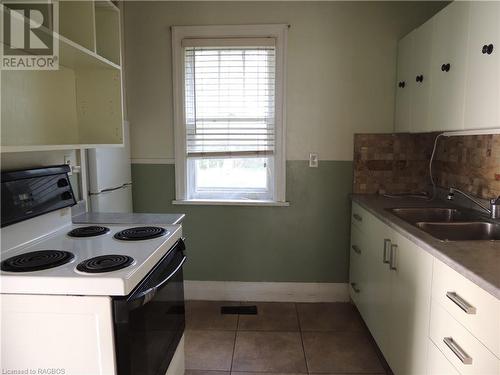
{"x":149,"y":322}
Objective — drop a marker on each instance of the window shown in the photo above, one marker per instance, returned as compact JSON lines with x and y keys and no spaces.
{"x":228,"y":99}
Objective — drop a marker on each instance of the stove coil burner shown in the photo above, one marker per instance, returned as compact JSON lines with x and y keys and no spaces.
{"x":36,"y":261}
{"x":140,"y":233}
{"x":105,"y":263}
{"x":90,"y":231}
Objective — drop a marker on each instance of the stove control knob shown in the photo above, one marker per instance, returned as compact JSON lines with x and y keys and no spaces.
{"x":66,"y":196}
{"x":62,"y":182}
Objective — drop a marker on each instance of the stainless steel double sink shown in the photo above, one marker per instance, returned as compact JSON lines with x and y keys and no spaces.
{"x":450,"y":224}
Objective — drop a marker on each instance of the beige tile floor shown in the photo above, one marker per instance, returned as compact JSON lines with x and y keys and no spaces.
{"x":283,"y":338}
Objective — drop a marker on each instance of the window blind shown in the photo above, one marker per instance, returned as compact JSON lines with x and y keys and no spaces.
{"x":230,"y":97}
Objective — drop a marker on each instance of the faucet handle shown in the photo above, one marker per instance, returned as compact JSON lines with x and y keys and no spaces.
{"x":495,"y":201}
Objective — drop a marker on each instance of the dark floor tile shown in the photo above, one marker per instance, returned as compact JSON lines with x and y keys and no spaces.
{"x":269,"y":352}
{"x":209,"y":350}
{"x":266,"y":373}
{"x":340,"y":352}
{"x":271,"y":316}
{"x":205,"y":372}
{"x":202,"y":315}
{"x":329,"y":317}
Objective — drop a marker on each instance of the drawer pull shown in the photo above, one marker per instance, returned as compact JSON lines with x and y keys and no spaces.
{"x":356,"y":249}
{"x":392,"y":258}
{"x":355,"y":287}
{"x":357,"y":217}
{"x":385,"y":259}
{"x":458,"y":351}
{"x":460,"y":302}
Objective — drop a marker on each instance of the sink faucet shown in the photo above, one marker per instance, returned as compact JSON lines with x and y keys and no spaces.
{"x":493,"y":211}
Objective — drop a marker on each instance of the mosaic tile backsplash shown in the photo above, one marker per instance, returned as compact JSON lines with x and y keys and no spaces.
{"x":398,"y":163}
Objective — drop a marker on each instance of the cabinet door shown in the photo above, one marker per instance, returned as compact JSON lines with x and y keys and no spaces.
{"x":448,"y":67}
{"x":377,"y":285}
{"x":404,"y":84}
{"x":410,"y":306}
{"x":482,"y":109}
{"x":422,"y":46}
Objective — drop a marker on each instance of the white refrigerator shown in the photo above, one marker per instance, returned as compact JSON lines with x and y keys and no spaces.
{"x":109,"y":176}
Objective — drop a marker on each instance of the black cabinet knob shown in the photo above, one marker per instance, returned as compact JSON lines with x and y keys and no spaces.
{"x":419,"y":78}
{"x":402,"y":84}
{"x":445,"y":67}
{"x":487,"y":49}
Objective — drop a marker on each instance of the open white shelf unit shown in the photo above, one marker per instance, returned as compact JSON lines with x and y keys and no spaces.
{"x":79,"y":105}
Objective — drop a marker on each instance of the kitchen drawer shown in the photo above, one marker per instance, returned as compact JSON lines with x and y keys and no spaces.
{"x":476,"y":358}
{"x":358,"y":216}
{"x":438,"y":364}
{"x":357,"y":254}
{"x":456,"y":294}
{"x":365,"y":221}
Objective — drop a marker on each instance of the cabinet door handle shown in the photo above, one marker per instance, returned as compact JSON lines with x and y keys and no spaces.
{"x":392,"y":258}
{"x":357,"y":217}
{"x":458,"y":351}
{"x":385,"y":259}
{"x":354,"y":287}
{"x":356,"y":249}
{"x":445,"y":67}
{"x":460,"y":302}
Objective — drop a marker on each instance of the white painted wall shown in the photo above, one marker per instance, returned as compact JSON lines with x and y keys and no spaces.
{"x":341,"y":67}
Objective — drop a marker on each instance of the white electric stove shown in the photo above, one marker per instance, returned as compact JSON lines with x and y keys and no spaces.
{"x":137,"y":257}
{"x":100,"y":299}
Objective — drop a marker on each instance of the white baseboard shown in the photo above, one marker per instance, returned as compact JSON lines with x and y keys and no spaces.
{"x":265,"y":291}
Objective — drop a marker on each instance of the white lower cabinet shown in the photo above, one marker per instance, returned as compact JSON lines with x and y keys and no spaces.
{"x":425,"y":317}
{"x":437,"y":362}
{"x":411,"y":270}
{"x":394,"y":294}
{"x":459,"y":346}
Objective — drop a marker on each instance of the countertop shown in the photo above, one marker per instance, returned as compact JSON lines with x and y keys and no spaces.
{"x":478,"y":261}
{"x":126,"y":218}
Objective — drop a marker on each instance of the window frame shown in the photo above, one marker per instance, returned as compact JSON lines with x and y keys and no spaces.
{"x":277,"y":31}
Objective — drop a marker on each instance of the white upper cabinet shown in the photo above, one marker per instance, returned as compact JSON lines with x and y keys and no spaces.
{"x":79,"y":104}
{"x":482,"y":101}
{"x":448,"y":67}
{"x":404,"y":84}
{"x":455,"y":64}
{"x":420,"y":91}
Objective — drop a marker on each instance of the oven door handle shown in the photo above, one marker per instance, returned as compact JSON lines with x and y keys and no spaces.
{"x":149,"y":294}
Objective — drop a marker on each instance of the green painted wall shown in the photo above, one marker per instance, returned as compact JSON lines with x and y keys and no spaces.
{"x":306,"y":242}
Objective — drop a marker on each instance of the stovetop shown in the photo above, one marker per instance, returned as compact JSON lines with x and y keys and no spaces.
{"x":136,"y":259}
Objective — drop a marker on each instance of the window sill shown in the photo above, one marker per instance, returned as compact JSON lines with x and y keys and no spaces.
{"x":213,"y":202}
